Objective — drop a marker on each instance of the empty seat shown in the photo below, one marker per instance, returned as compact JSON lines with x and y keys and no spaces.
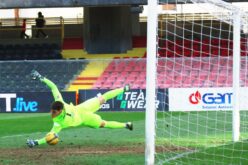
{"x":17,"y":74}
{"x":30,"y":51}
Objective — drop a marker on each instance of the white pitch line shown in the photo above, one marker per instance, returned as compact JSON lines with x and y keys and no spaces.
{"x":194,"y":151}
{"x":18,"y":135}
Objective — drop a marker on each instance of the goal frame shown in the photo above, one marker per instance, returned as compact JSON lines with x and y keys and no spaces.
{"x":150,"y":123}
{"x":151,"y":82}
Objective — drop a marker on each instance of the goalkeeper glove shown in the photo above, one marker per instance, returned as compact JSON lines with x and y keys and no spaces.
{"x":126,"y":88}
{"x":36,"y":75}
{"x":31,"y":143}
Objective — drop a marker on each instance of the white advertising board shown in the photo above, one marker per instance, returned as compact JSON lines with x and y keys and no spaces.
{"x":205,"y":99}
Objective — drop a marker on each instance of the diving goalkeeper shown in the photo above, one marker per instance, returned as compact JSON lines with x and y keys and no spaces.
{"x":66,"y":115}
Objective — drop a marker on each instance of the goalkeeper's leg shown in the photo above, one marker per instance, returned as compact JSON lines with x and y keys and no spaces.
{"x":95,"y":121}
{"x":93,"y":105}
{"x":113,"y":93}
{"x":115,"y":124}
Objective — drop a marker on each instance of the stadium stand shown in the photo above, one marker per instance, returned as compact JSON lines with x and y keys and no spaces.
{"x":123,"y":70}
{"x":72,"y":49}
{"x":73,"y":43}
{"x":120,"y":72}
{"x":30,"y":51}
{"x":15,"y":75}
{"x":171,"y":73}
{"x":88,"y":75}
{"x":139,"y":41}
{"x":193,"y":48}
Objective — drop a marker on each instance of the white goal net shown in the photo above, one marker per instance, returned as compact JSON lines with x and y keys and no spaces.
{"x":202,"y":63}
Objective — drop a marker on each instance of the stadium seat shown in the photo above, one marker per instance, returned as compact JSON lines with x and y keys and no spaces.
{"x":182,"y":72}
{"x":108,"y":85}
{"x":15,"y":75}
{"x":118,"y":84}
{"x":30,"y":51}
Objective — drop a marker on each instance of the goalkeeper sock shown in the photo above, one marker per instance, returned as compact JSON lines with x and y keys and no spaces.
{"x":113,"y":93}
{"x":114,"y":124}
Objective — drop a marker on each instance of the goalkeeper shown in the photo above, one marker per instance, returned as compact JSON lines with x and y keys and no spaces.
{"x":66,"y":115}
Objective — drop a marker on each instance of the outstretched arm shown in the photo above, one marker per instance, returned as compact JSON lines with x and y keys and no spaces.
{"x":56,"y":129}
{"x":54,"y":89}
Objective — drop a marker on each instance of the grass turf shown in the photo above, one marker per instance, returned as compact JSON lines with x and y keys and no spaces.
{"x":79,"y":145}
{"x":88,"y":146}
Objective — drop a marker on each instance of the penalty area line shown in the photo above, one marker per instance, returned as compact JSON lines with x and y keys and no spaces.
{"x":195,"y":151}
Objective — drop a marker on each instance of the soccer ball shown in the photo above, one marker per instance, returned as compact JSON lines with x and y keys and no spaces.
{"x":52,"y":138}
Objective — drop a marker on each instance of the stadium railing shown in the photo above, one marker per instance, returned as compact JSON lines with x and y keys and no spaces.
{"x":11,"y":28}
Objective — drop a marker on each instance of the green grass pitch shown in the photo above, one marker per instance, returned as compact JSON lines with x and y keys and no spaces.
{"x":89,"y":146}
{"x":79,"y":145}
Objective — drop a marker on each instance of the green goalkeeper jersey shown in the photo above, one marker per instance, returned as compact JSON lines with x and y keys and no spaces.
{"x":69,"y":117}
{"x":82,"y":114}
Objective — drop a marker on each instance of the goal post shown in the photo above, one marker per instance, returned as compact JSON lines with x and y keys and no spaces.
{"x":196,"y":50}
{"x":150,"y":82}
{"x":236,"y":75}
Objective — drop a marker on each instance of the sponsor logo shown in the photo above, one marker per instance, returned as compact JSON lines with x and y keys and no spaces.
{"x":20,"y":104}
{"x":133,"y":100}
{"x":212,"y":100}
{"x":195,"y":98}
{"x":105,"y":106}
